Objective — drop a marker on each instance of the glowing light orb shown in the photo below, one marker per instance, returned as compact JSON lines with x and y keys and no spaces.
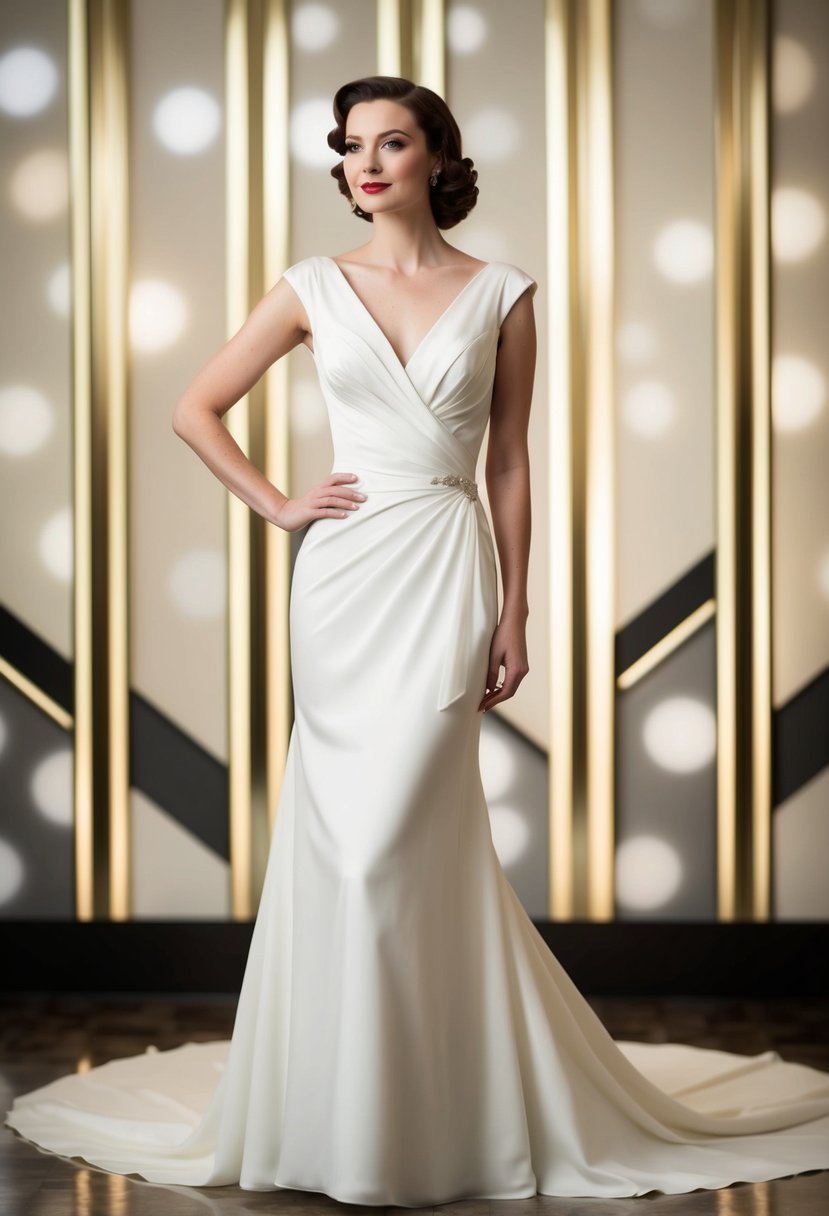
{"x":59,"y":290}
{"x":157,"y":315}
{"x":39,"y":186}
{"x":649,"y":408}
{"x":793,"y":75}
{"x":680,"y":734}
{"x":684,"y":251}
{"x":28,"y":81}
{"x":197,"y":584}
{"x":54,"y":545}
{"x":798,"y":393}
{"x":27,"y":419}
{"x":494,"y":134}
{"x":648,"y":873}
{"x":314,"y":27}
{"x":798,"y":224}
{"x":11,"y":872}
{"x":466,"y":29}
{"x":311,"y":120}
{"x":187,"y":120}
{"x":52,"y":787}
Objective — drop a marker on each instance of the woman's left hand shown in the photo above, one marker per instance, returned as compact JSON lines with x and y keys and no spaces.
{"x":508,"y":650}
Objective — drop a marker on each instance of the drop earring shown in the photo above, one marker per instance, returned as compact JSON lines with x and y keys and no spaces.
{"x":433,"y":180}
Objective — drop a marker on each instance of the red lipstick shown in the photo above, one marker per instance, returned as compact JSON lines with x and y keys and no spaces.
{"x":374,"y":187}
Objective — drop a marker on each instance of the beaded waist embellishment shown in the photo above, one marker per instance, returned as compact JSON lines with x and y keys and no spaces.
{"x":469,"y":487}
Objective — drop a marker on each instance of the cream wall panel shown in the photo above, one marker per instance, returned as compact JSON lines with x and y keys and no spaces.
{"x":801,"y":846}
{"x":800,"y":356}
{"x":35,"y":424}
{"x":663,"y":148}
{"x":495,"y":88}
{"x":178,"y":534}
{"x":173,"y":874}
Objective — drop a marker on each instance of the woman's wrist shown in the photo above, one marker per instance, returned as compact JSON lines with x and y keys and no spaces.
{"x":515,"y":611}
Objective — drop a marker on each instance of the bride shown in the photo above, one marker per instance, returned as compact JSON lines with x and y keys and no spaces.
{"x":403,"y":1034}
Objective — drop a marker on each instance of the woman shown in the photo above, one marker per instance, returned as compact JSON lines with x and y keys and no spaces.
{"x":403,"y":1034}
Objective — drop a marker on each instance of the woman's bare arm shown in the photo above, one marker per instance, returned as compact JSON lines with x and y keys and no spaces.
{"x":508,"y":490}
{"x":275,"y":326}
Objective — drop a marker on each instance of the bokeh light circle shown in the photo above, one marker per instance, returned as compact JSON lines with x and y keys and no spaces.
{"x":27,"y":420}
{"x":649,"y":408}
{"x":684,"y":252}
{"x":466,"y":29}
{"x":680,"y":734}
{"x":39,"y":185}
{"x":52,"y":787}
{"x":158,"y":315}
{"x":198,"y":584}
{"x":28,"y":81}
{"x":798,"y":393}
{"x":793,"y":75}
{"x":187,"y":120}
{"x":310,"y":122}
{"x":314,"y":27}
{"x":648,"y":873}
{"x":11,"y":872}
{"x":494,"y":134}
{"x":54,"y":545}
{"x":59,"y":290}
{"x":798,"y":223}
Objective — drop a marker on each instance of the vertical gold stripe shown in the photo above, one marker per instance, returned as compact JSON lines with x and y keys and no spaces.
{"x":80,"y":238}
{"x":429,"y":45}
{"x":758,"y":86}
{"x":743,"y":465}
{"x":561,"y":307}
{"x":596,"y":276}
{"x":238,"y":423}
{"x":247,"y":590}
{"x":276,"y":254}
{"x":112,"y":128}
{"x":727,"y":397}
{"x":394,"y":38}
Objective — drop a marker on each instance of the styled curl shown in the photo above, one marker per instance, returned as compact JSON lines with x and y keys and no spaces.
{"x":455,"y":194}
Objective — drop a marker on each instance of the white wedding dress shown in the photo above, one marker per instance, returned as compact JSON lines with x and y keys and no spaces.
{"x":403,"y":1034}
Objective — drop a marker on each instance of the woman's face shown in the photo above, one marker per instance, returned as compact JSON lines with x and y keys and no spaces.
{"x":384,"y":144}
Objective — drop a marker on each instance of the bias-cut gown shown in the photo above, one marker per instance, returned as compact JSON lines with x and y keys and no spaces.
{"x":403,"y":1033}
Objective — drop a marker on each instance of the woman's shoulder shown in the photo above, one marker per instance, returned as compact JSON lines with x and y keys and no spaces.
{"x":517,"y":278}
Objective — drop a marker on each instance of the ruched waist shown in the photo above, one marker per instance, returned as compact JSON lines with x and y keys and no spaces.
{"x":439,"y":481}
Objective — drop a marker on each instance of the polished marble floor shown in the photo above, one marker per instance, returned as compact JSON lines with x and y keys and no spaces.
{"x":43,"y":1037}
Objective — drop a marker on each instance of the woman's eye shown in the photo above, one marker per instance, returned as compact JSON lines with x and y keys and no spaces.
{"x":348,"y":147}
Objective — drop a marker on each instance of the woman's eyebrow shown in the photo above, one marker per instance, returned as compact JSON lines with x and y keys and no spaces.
{"x":399,"y":131}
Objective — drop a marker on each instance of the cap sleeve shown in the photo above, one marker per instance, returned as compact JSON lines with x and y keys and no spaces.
{"x":302,"y":277}
{"x":514,"y":284}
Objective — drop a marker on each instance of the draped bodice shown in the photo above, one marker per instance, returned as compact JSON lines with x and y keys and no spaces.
{"x":412,"y":433}
{"x":428,"y":416}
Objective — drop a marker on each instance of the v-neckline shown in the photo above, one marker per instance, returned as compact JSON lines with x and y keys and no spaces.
{"x":404,"y":367}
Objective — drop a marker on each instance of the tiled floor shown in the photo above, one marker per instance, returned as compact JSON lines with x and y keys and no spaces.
{"x":44,"y":1037}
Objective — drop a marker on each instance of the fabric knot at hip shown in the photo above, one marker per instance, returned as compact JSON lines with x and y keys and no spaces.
{"x":469,"y":487}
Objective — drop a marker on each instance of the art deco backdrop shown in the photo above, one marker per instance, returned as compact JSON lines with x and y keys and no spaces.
{"x":660,"y":167}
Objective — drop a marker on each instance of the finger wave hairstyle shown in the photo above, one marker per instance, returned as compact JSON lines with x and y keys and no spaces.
{"x":455,"y":194}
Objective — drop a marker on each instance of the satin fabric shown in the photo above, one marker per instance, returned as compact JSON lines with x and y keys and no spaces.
{"x":403,"y":1034}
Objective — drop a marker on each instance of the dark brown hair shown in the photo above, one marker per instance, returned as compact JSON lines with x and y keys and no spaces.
{"x":455,"y":194}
